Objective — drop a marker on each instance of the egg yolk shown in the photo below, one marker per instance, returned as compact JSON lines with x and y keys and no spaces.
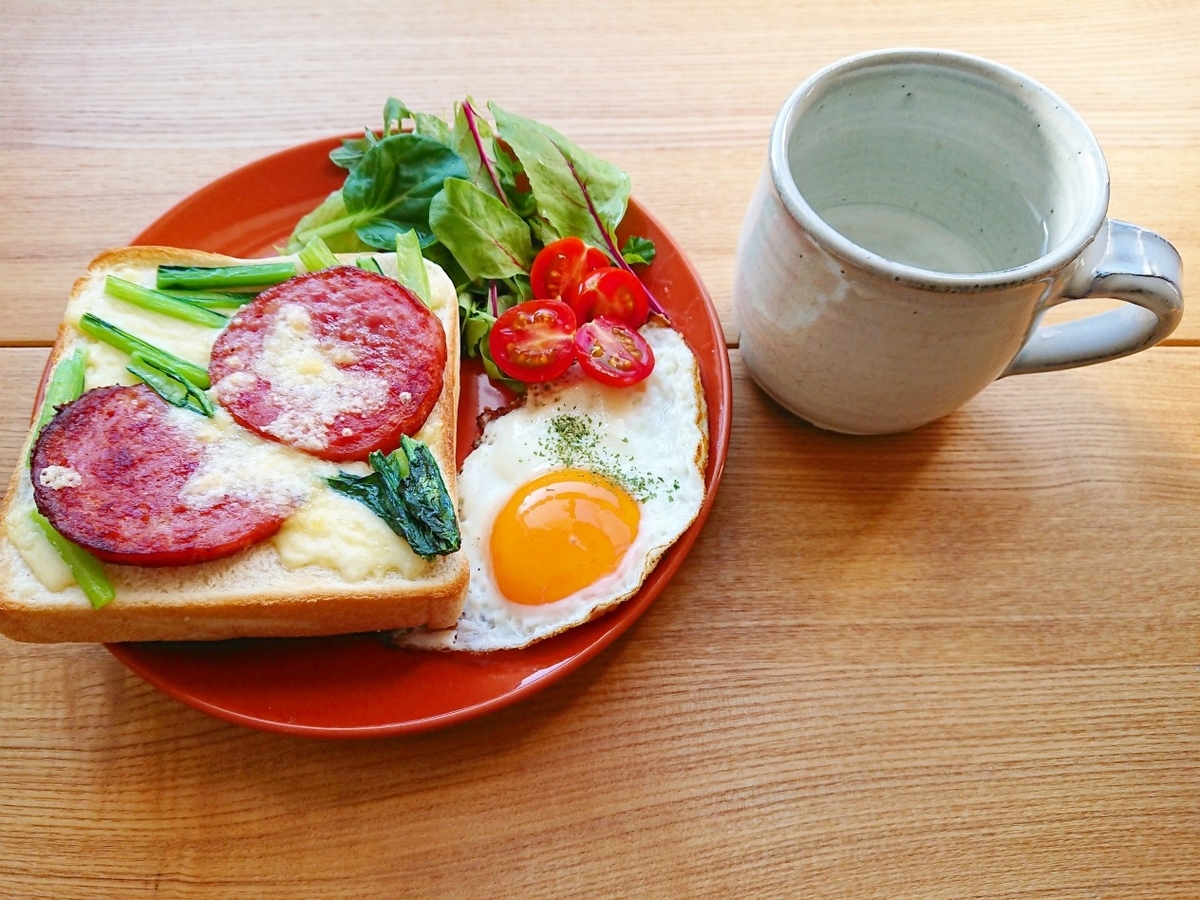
{"x":560,"y":533}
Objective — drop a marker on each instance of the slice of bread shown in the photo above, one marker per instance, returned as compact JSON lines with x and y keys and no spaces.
{"x":333,"y":568}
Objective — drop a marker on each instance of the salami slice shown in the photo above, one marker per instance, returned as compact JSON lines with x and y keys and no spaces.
{"x":336,"y":363}
{"x":110,"y":472}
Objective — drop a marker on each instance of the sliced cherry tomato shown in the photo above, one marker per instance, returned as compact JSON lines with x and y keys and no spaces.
{"x":534,"y":341}
{"x":614,"y":294}
{"x":612,"y":352}
{"x":560,"y":266}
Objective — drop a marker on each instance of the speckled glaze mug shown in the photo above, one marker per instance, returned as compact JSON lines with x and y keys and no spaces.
{"x":918,"y":213}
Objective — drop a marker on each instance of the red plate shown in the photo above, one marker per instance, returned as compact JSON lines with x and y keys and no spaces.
{"x":355,"y":686}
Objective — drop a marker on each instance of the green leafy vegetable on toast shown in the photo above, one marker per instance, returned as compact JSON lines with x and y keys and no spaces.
{"x":95,"y":327}
{"x":253,"y":275}
{"x":88,"y":571}
{"x":315,"y":255}
{"x":170,"y":385}
{"x":410,"y":265}
{"x":406,"y":490}
{"x":166,"y":304}
{"x":65,"y":384}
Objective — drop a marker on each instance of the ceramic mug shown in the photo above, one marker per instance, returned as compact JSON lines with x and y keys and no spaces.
{"x":918,"y":213}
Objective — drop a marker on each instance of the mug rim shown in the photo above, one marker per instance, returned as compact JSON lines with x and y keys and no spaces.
{"x":1080,"y":235}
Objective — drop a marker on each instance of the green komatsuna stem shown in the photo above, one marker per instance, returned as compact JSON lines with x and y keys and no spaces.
{"x":210,"y":299}
{"x":94,"y":326}
{"x":88,"y":571}
{"x":218,"y":277}
{"x":410,"y":265}
{"x":171,"y":386}
{"x":370,"y":264}
{"x":171,"y":389}
{"x":65,"y":384}
{"x":156,"y":301}
{"x":316,"y":255}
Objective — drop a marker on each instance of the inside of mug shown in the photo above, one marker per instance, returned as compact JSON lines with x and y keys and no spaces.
{"x":945,"y":167}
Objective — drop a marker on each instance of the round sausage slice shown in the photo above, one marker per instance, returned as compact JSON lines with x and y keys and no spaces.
{"x":109,"y":471}
{"x":336,"y":363}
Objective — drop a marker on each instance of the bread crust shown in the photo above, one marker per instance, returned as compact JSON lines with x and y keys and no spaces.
{"x":250,"y":594}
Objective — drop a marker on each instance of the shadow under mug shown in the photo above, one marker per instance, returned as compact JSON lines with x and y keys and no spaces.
{"x":918,"y":213}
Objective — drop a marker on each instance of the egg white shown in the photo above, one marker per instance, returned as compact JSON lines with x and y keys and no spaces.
{"x":652,"y":438}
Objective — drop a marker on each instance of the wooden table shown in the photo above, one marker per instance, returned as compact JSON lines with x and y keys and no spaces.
{"x":961,"y":662}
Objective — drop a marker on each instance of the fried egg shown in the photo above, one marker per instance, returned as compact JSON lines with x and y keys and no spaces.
{"x":569,"y":500}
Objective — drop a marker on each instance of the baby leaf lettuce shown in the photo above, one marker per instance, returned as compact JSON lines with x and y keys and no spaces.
{"x":638,"y":250}
{"x":475,"y":143}
{"x":316,"y":255}
{"x":487,"y":238}
{"x":577,"y":193}
{"x":328,"y":221}
{"x":482,"y":199}
{"x":388,"y":191}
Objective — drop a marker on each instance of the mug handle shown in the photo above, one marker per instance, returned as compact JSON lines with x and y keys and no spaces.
{"x":1126,"y":263}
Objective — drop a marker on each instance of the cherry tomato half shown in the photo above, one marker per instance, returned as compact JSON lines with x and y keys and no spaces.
{"x":612,"y":352}
{"x":560,"y":266}
{"x":614,"y":294}
{"x":534,"y":341}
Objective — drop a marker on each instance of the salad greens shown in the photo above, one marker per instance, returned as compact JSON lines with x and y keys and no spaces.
{"x":480,"y":197}
{"x":488,"y":239}
{"x":387,"y":191}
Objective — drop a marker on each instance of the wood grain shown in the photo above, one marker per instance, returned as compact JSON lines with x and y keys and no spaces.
{"x":682,"y":99}
{"x":956,"y":663}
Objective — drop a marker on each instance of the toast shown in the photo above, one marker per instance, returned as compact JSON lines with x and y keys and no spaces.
{"x":334,"y":567}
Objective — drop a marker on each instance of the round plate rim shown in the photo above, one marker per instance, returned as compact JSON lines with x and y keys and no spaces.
{"x":147,"y":660}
